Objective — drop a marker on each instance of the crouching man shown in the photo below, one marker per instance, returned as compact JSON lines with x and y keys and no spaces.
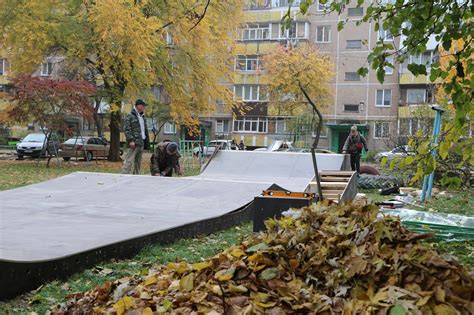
{"x":165,"y":159}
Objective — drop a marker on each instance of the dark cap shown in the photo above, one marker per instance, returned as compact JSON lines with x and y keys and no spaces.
{"x":171,"y":148}
{"x":140,"y":102}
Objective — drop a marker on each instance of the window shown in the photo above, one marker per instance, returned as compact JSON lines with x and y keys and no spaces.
{"x":222,"y":126}
{"x":169,"y":128}
{"x":284,"y":3}
{"x":3,"y":66}
{"x":249,"y":124}
{"x":353,"y":108}
{"x":389,"y":70}
{"x":324,"y":7}
{"x":248,"y":63}
{"x":297,"y":30}
{"x":385,"y":35}
{"x":250,"y":93}
{"x":257,"y":5}
{"x":352,"y":76}
{"x":255,"y":32}
{"x":46,"y":69}
{"x":383,"y":97}
{"x":280,"y":125}
{"x":416,"y":96}
{"x":382,"y":130}
{"x":323,"y":34}
{"x":355,"y":11}
{"x":353,"y":44}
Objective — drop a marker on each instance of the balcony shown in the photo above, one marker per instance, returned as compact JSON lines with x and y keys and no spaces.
{"x":415,"y":110}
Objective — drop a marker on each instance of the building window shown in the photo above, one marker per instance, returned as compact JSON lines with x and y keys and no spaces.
{"x":222,"y":126}
{"x":383,"y":97}
{"x":283,"y":3}
{"x":297,"y":30}
{"x":255,"y":32}
{"x":280,"y":125}
{"x":323,"y":34}
{"x":381,"y":130}
{"x":353,"y":108}
{"x":3,"y":66}
{"x":353,"y":44}
{"x":169,"y":128}
{"x":323,"y":7}
{"x":385,"y":35}
{"x":248,"y":63}
{"x":389,"y":70}
{"x":46,"y":69}
{"x":355,"y":11}
{"x":250,"y":93}
{"x":250,"y":124}
{"x":352,"y":76}
{"x":416,"y":96}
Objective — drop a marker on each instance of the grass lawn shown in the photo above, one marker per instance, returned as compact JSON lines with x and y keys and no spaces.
{"x":17,"y":173}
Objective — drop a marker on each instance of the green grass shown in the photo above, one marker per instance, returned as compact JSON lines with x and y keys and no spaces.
{"x":14,"y":173}
{"x":191,"y":250}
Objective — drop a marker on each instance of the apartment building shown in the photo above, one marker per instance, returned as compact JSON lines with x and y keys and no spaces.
{"x":356,"y":100}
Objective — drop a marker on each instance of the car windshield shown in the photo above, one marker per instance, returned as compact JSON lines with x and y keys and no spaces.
{"x":75,"y":140}
{"x":34,"y":137}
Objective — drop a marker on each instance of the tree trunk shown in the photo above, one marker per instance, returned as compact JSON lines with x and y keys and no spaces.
{"x":97,"y":120}
{"x":115,"y":121}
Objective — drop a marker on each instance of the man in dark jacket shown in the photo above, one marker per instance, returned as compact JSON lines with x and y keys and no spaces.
{"x":353,"y":145}
{"x":136,"y":133}
{"x":165,"y":159}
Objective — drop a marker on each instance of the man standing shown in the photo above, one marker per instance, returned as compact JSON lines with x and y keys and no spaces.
{"x":353,"y":145}
{"x":165,"y":159}
{"x":136,"y":133}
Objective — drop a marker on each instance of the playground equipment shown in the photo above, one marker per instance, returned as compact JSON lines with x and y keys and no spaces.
{"x":76,"y":221}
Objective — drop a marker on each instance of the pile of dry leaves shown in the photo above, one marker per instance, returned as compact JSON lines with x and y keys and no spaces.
{"x":337,"y":260}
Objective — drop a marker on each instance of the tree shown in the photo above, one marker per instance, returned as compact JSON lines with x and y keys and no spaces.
{"x":48,"y":102}
{"x":129,"y":45}
{"x":298,"y":76}
{"x":450,"y":23}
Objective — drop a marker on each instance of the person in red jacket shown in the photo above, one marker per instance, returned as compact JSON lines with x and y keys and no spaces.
{"x":354,"y":144}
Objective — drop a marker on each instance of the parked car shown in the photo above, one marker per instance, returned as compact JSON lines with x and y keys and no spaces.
{"x":211,"y":147}
{"x":278,"y":145}
{"x":32,"y":145}
{"x":400,"y":151}
{"x":84,"y":147}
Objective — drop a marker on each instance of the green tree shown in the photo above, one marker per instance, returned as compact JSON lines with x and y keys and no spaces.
{"x":450,"y":22}
{"x":125,"y":46}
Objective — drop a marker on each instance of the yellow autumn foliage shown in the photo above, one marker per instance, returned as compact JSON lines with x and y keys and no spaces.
{"x":292,"y":69}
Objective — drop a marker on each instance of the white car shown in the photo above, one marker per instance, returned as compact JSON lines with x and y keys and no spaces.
{"x":211,"y":147}
{"x":278,"y":145}
{"x":32,"y":145}
{"x":400,"y":151}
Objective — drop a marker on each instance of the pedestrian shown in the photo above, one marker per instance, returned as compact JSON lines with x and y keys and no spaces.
{"x":136,"y":134}
{"x":353,"y":145}
{"x":165,"y":159}
{"x":241,"y":145}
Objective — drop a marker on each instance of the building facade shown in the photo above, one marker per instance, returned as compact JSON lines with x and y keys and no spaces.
{"x":356,"y":100}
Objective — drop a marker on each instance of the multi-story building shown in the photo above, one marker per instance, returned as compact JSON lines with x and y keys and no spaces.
{"x":356,"y":100}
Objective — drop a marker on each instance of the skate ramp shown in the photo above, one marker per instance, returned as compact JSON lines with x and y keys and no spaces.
{"x":79,"y":215}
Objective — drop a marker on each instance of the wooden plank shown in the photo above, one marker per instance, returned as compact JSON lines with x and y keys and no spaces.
{"x":333,"y":184}
{"x":335,"y":179}
{"x":337,"y":173}
{"x":332,"y":191}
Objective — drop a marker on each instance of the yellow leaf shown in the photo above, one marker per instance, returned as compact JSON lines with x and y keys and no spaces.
{"x":266,"y":305}
{"x":237,"y":252}
{"x":187,"y":282}
{"x":423,"y":300}
{"x":124,"y":304}
{"x":147,"y":311}
{"x":444,"y":309}
{"x":237,"y":289}
{"x":202,"y":265}
{"x":225,"y":274}
{"x":150,"y":280}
